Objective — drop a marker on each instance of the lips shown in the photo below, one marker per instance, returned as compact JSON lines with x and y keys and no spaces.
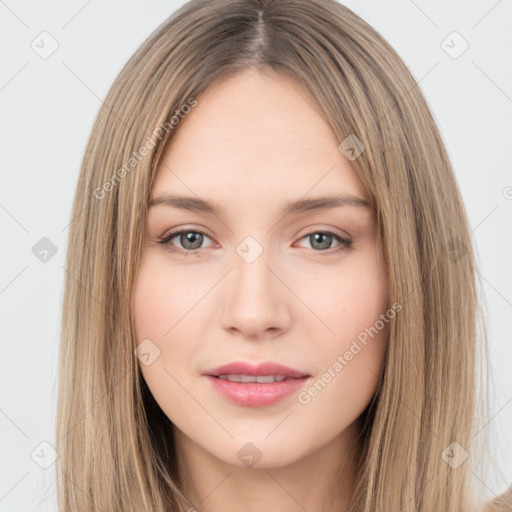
{"x":255,"y":385}
{"x":263,"y":369}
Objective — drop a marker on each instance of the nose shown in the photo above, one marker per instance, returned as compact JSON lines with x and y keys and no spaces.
{"x":256,"y":304}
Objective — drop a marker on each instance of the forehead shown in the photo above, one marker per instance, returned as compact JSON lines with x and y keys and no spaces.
{"x":255,"y":134}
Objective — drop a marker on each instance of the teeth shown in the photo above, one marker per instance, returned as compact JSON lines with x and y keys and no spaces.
{"x":261,"y":379}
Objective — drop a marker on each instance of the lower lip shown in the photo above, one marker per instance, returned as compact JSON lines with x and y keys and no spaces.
{"x":252,"y":394}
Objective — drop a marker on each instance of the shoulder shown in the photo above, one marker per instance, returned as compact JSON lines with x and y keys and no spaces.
{"x":502,"y":503}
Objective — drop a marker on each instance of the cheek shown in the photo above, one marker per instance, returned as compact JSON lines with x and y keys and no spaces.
{"x":347,"y":370}
{"x":152,"y":309}
{"x":349,"y":299}
{"x":161,"y":298}
{"x":354,"y":305}
{"x":159,"y":307}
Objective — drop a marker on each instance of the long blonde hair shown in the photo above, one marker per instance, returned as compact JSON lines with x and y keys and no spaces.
{"x":115,"y":446}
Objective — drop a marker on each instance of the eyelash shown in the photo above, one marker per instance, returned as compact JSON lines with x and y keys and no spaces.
{"x":345,"y":244}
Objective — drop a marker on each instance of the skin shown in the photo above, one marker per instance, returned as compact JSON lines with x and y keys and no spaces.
{"x":300,"y":303}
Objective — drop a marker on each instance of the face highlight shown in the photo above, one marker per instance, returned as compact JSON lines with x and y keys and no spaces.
{"x":260,"y":247}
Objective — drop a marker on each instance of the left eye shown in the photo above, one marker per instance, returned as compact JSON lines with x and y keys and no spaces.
{"x":322,"y":240}
{"x":192,"y":240}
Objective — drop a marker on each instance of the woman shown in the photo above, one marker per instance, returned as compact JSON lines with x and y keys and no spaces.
{"x":315,"y":346}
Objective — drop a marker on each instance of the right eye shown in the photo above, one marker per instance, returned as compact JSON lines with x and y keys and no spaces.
{"x":191,"y":240}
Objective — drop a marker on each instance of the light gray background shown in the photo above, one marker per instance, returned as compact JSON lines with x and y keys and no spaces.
{"x":47,"y":110}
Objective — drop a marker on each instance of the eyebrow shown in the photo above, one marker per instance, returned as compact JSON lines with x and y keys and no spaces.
{"x":294,"y":207}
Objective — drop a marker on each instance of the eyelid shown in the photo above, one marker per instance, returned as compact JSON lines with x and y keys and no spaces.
{"x":316,"y":228}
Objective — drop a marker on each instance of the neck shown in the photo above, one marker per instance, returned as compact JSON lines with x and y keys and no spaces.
{"x":321,"y":481}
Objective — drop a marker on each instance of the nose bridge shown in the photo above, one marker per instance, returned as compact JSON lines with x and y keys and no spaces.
{"x":251,"y":273}
{"x":255,"y":301}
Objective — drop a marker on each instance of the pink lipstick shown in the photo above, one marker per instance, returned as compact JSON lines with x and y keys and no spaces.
{"x":255,"y":385}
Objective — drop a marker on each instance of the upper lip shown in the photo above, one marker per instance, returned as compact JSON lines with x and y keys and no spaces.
{"x":243,"y":368}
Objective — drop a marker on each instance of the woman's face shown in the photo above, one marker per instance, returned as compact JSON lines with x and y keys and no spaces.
{"x":302,"y":287}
